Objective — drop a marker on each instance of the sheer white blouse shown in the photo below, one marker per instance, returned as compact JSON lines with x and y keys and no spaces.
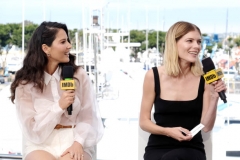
{"x":39,"y":112}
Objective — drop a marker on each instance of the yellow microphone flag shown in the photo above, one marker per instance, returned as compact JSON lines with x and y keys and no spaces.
{"x":67,"y":84}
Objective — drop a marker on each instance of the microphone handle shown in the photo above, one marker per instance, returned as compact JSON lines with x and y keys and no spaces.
{"x":223,"y":96}
{"x":69,"y":109}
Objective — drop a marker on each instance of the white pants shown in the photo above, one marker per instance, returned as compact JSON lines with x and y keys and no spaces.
{"x":58,"y":141}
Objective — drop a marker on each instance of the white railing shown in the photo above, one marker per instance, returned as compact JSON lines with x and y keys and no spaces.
{"x":233,"y":87}
{"x":9,"y":156}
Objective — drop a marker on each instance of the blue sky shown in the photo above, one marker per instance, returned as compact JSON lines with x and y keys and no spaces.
{"x":209,"y":15}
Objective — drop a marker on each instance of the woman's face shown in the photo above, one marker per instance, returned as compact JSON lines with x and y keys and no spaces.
{"x":60,"y":48}
{"x":189,"y":46}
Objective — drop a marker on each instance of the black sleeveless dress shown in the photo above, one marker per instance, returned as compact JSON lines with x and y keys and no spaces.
{"x":186,"y":114}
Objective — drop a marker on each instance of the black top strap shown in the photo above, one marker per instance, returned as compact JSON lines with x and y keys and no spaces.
{"x":156,"y":81}
{"x":201,"y":86}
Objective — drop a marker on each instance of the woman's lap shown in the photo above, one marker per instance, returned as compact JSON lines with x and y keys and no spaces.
{"x":67,"y":157}
{"x":174,"y":154}
{"x":55,"y":145}
{"x":41,"y":154}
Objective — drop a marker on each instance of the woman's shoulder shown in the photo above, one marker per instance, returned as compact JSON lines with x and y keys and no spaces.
{"x":149,"y":76}
{"x":26,"y":85}
{"x":80,"y":71}
{"x":24,"y":88}
{"x":161,"y":69}
{"x":81,"y":74}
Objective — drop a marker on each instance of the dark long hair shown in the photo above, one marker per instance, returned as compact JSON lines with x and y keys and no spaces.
{"x":36,"y":60}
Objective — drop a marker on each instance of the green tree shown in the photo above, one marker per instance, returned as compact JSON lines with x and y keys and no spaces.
{"x":11,"y":34}
{"x":219,"y":45}
{"x":6,"y":38}
{"x":140,"y":36}
{"x":209,"y":48}
{"x":230,"y":39}
{"x":161,"y":40}
{"x":73,"y":38}
{"x":71,"y":34}
{"x":152,"y":39}
{"x":5,"y":35}
{"x":137,"y":36}
{"x":237,"y":41}
{"x":29,"y":29}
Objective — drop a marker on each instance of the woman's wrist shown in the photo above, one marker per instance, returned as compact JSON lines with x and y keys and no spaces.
{"x":78,"y":143}
{"x":165,"y":131}
{"x":214,"y":96}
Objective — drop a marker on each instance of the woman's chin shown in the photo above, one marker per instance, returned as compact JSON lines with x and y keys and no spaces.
{"x":65,"y":60}
{"x":193,"y":59}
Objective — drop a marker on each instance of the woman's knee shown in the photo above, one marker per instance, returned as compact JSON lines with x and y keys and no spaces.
{"x":40,"y":155}
{"x":184,"y":153}
{"x":87,"y":156}
{"x":170,"y":157}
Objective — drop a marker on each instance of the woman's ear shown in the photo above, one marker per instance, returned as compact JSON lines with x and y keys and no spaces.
{"x":45,"y":49}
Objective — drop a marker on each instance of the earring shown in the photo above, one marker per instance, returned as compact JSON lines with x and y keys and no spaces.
{"x":48,"y":55}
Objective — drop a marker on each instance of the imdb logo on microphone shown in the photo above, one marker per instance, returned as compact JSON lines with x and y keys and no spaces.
{"x":67,"y":84}
{"x":213,"y":75}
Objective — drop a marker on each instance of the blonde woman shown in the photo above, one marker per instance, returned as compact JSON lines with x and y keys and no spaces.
{"x":181,"y":98}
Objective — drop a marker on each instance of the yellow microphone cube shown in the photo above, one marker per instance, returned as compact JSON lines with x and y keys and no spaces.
{"x":219,"y":73}
{"x":211,"y":76}
{"x":67,"y":84}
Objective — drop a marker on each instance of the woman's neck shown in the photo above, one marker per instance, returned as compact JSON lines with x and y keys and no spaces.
{"x":50,"y":69}
{"x":185,"y":69}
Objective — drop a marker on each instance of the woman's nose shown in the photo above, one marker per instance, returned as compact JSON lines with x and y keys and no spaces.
{"x":197,"y":45}
{"x":69,"y":45}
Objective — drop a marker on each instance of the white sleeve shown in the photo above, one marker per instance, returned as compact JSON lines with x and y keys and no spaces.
{"x":89,"y":129}
{"x":37,"y":117}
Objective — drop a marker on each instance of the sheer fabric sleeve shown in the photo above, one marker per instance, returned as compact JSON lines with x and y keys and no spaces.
{"x":37,"y":116}
{"x":89,"y":128}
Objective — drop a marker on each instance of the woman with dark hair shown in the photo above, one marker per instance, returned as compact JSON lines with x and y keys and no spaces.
{"x":49,"y":132}
{"x":181,"y":98}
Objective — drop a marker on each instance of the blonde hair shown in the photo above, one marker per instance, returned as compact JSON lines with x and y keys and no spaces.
{"x":171,"y":60}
